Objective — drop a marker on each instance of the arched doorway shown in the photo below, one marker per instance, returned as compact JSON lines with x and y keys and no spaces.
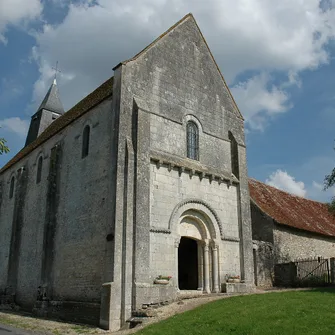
{"x":197,"y":255}
{"x":188,"y":264}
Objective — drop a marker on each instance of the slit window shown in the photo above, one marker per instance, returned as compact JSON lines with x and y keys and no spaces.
{"x":86,"y":142}
{"x":234,"y":155}
{"x":11,"y":188}
{"x":39,"y":170}
{"x":192,"y":140}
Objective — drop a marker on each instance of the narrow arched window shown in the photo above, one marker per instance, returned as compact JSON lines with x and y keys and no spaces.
{"x":192,"y":140}
{"x":86,"y":142}
{"x":234,"y":155}
{"x":39,"y":170}
{"x":11,"y":188}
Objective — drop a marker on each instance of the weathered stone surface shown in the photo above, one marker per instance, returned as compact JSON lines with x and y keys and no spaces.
{"x":236,"y":288}
{"x":98,"y":230}
{"x":276,"y":243}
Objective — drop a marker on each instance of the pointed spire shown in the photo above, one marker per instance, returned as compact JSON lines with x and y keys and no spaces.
{"x":51,"y":101}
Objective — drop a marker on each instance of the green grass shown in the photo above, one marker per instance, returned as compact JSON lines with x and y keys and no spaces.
{"x":295,"y":312}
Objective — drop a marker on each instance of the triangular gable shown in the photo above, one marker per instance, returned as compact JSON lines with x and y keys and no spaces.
{"x":185,"y":18}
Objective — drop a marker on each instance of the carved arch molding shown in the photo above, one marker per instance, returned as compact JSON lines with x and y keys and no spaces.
{"x":199,"y":205}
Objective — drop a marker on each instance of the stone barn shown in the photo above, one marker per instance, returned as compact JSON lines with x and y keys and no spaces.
{"x":285,"y":228}
{"x":143,"y":180}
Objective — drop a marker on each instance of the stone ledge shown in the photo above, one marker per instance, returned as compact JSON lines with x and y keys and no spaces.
{"x":192,"y":167}
{"x":237,"y":288}
{"x":151,"y":294}
{"x":230,"y":238}
{"x":160,"y":230}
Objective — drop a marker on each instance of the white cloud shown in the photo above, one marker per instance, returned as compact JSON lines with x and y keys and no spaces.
{"x":316,"y":192}
{"x":17,"y":12}
{"x":258,"y":35}
{"x":258,"y":100}
{"x":15,"y":125}
{"x":317,"y":185}
{"x":9,"y":90}
{"x":283,"y":181}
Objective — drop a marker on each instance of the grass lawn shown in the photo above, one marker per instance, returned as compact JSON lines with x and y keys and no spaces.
{"x":295,"y":312}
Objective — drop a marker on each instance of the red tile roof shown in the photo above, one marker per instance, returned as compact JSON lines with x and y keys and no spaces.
{"x":291,"y":210}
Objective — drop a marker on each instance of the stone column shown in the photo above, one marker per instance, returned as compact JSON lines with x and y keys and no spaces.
{"x":206,"y":268}
{"x":215,"y":268}
{"x":200,"y":267}
{"x":176,"y":245}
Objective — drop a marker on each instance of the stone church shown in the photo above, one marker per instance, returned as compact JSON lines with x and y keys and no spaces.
{"x":143,"y":179}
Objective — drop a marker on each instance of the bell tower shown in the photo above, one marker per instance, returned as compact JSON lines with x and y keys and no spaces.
{"x":50,"y":109}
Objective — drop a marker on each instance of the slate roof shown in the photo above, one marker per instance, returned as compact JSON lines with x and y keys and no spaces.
{"x":52,"y":101}
{"x":82,"y":107}
{"x":291,"y":210}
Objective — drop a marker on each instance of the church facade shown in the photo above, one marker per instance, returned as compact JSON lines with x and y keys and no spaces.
{"x":143,"y":179}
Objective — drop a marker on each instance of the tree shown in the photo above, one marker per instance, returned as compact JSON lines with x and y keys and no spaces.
{"x":3,"y":147}
{"x":329,"y":182}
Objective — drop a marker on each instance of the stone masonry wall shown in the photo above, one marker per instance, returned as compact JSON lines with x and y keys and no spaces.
{"x":291,"y":244}
{"x":276,"y":243}
{"x":264,"y":263}
{"x":81,"y":217}
{"x":6,"y":221}
{"x":170,"y":137}
{"x":168,"y":188}
{"x":173,"y":79}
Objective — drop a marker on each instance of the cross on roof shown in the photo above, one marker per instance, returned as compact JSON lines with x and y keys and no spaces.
{"x":56,"y":69}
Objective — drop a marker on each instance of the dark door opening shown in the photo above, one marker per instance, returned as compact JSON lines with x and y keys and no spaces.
{"x":188,"y":264}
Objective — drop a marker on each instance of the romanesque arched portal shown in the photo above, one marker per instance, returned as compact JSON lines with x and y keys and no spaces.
{"x":197,"y":229}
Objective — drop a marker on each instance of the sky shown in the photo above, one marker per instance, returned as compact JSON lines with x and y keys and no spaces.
{"x":278,"y":58}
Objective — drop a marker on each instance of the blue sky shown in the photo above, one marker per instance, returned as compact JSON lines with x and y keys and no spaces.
{"x":277,"y":57}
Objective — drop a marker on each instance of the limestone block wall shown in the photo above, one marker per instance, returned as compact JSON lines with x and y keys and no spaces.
{"x":160,"y":88}
{"x":264,"y":262}
{"x":177,"y":78}
{"x":291,"y":244}
{"x":169,"y":136}
{"x":31,"y":247}
{"x":168,"y":189}
{"x":6,"y":220}
{"x":81,"y":216}
{"x":275,"y":243}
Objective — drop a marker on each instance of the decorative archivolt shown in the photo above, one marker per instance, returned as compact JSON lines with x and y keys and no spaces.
{"x":206,"y":211}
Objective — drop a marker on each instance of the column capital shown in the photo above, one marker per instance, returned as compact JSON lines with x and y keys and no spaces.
{"x":206,"y":242}
{"x":214,"y":244}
